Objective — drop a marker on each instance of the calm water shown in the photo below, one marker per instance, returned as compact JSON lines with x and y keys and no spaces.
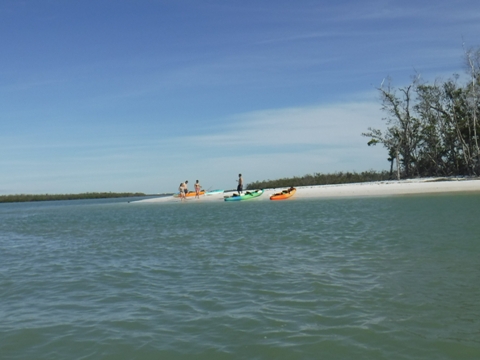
{"x":378,"y":278}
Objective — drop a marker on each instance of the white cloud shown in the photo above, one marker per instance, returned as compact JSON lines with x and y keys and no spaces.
{"x":337,"y":125}
{"x":278,"y":143}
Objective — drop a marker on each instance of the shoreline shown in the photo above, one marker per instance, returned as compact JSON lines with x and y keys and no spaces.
{"x":22,"y":198}
{"x":365,"y":189}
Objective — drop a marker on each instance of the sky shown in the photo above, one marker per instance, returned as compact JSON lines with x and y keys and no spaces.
{"x":138,"y":96}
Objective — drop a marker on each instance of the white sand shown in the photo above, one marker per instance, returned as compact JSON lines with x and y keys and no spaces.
{"x":380,"y":188}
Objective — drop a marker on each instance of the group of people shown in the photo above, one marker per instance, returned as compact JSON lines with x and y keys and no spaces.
{"x":183,"y":188}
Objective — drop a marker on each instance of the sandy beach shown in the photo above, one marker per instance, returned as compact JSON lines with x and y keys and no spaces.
{"x":380,"y":188}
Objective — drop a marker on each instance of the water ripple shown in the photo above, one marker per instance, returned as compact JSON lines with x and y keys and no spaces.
{"x":350,"y":278}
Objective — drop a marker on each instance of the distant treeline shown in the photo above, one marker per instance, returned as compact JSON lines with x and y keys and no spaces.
{"x":322,"y":179}
{"x":49,"y":197}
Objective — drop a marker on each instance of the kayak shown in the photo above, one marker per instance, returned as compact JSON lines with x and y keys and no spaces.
{"x":245,"y":196}
{"x":285,"y":194}
{"x":214,"y":192}
{"x":190,"y":194}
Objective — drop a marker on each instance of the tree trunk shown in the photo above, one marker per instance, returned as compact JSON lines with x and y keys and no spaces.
{"x":398,"y":167}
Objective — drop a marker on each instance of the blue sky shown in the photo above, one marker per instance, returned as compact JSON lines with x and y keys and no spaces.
{"x":141,"y":95}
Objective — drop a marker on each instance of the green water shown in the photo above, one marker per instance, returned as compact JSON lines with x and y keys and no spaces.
{"x":373,"y":278}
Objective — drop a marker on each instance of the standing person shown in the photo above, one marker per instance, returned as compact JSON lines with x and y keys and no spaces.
{"x":240,"y":184}
{"x":185,"y":188}
{"x":181,"y":191}
{"x":197,"y":190}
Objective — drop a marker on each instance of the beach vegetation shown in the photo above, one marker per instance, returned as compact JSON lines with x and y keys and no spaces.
{"x":432,"y":129}
{"x":322,"y":179}
{"x":50,"y":197}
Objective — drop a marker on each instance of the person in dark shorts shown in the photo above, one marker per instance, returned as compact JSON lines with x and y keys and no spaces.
{"x":181,"y":191}
{"x":240,"y":184}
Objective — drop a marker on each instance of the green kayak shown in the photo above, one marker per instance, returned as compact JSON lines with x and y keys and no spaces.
{"x":245,"y":196}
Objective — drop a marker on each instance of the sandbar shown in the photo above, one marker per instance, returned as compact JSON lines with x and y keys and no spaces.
{"x":366,"y":189}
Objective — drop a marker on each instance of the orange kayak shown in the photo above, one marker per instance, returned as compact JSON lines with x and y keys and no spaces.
{"x":191,"y":194}
{"x":285,"y":194}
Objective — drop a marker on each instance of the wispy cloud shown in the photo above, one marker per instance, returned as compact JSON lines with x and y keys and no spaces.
{"x":333,"y":124}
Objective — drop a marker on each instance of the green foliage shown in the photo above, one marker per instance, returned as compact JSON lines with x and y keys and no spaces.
{"x":49,"y":197}
{"x":433,"y":130}
{"x":322,"y":179}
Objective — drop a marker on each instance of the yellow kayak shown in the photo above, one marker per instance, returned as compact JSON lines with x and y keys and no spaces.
{"x":191,"y":194}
